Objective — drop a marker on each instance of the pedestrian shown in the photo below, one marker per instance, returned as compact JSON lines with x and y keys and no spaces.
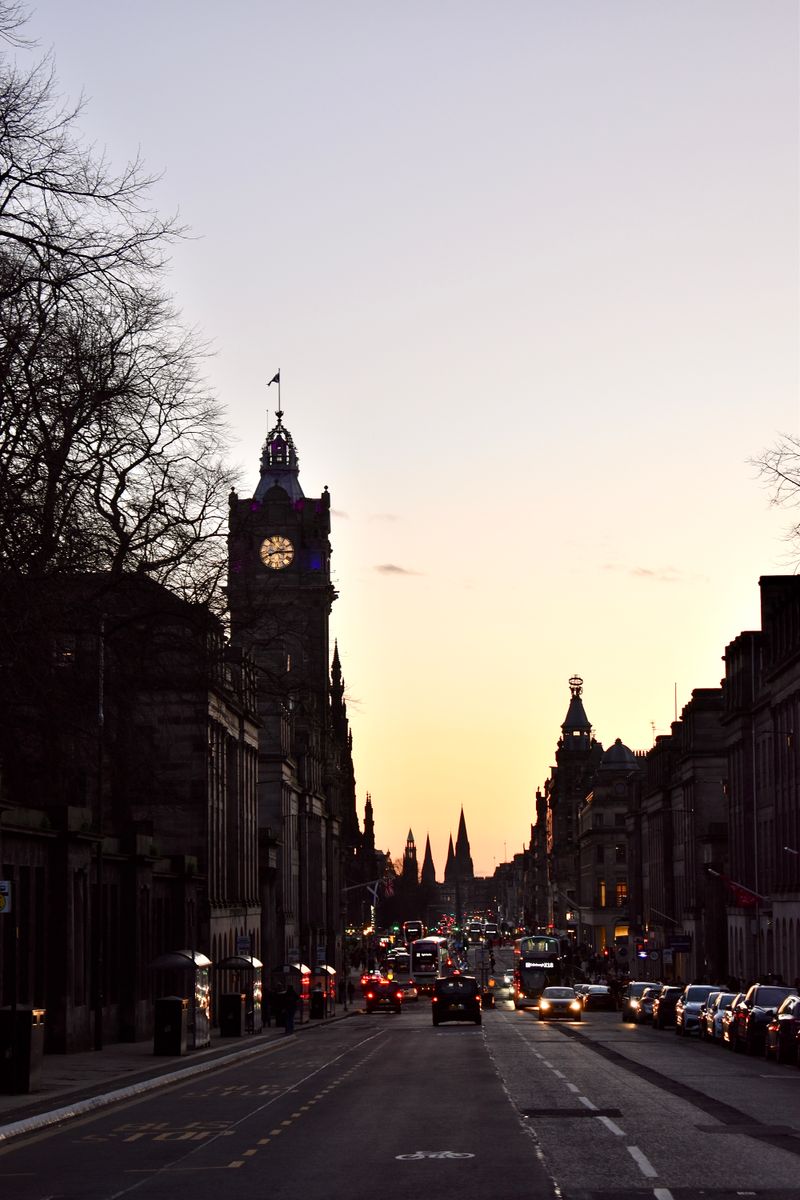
{"x":289,"y":1008}
{"x":351,"y":991}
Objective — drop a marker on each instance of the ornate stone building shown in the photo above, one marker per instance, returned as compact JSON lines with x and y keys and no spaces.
{"x":280,"y":596}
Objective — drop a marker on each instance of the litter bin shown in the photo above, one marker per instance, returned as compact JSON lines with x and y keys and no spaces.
{"x":21,"y":1049}
{"x":316,"y":1008}
{"x":232,"y":1014}
{"x":171,"y":1019}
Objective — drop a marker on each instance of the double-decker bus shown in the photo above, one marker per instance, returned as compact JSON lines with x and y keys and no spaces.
{"x":413,"y":930}
{"x":538,"y":963}
{"x":430,"y":959}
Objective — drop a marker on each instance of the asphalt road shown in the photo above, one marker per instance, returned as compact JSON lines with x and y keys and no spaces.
{"x":387,"y":1105}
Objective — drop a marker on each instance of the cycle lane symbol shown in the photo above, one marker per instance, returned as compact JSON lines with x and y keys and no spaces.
{"x":420,"y":1154}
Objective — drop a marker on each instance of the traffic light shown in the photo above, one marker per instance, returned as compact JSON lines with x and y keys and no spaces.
{"x":642,"y":948}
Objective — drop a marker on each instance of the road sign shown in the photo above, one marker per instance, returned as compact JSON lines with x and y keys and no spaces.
{"x":243,"y":943}
{"x":5,"y":896}
{"x":320,"y":954}
{"x":654,"y":955}
{"x":681,"y":942}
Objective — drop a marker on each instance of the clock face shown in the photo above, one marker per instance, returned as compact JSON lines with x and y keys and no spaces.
{"x":276,"y":552}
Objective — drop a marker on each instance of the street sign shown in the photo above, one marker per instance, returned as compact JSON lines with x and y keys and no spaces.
{"x":653,"y":955}
{"x":681,"y":942}
{"x":293,"y":955}
{"x":5,"y":896}
{"x":622,"y":951}
{"x":320,"y":954}
{"x":243,"y":943}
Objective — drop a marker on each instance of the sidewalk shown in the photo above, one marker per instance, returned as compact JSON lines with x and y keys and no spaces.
{"x":72,"y":1084}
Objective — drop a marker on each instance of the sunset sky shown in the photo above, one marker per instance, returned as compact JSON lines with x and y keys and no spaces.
{"x":529,"y":271}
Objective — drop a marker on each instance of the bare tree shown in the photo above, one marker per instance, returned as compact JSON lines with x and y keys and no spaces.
{"x":779,"y":469}
{"x":111,"y":448}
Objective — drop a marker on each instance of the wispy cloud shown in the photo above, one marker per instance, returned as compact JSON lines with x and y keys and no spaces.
{"x":384,"y":517}
{"x":393,"y":569}
{"x":657,"y":574}
{"x":338,"y":512}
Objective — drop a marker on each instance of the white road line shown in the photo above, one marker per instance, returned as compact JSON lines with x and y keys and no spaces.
{"x":573,"y":1087}
{"x":588,"y":1103}
{"x":662,"y":1194}
{"x":612,"y":1125}
{"x":560,"y":1074}
{"x":643,"y":1163}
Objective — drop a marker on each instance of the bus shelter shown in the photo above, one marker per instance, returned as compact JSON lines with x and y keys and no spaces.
{"x":185,"y":973}
{"x":242,"y":973}
{"x":299,"y":976}
{"x":324,"y":981}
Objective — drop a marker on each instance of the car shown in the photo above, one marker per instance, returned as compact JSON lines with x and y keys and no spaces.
{"x":597,"y":995}
{"x":580,"y":990}
{"x":644,"y":1012}
{"x":383,"y":994}
{"x":752,"y":1015}
{"x":687,"y":1009}
{"x":559,"y":1002}
{"x":631,"y":996}
{"x":713,"y":1016}
{"x":664,"y":1005}
{"x":502,"y":986}
{"x":727,"y":1020}
{"x":782,"y":1037}
{"x":705,"y":1009}
{"x":456,"y":998}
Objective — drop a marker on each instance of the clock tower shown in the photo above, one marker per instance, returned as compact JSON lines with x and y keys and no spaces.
{"x":279,"y":598}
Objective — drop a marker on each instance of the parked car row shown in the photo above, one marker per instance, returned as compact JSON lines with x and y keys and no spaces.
{"x":765,"y":1019}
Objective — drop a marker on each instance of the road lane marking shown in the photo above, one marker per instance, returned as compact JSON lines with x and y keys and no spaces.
{"x":573,"y":1087}
{"x":560,"y":1074}
{"x":612,"y":1126}
{"x":587,"y":1102}
{"x":642,"y":1162}
{"x":666,"y":1194}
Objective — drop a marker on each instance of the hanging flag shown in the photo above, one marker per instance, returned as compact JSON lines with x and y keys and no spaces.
{"x":743,"y":896}
{"x":388,"y":886}
{"x":275,"y":379}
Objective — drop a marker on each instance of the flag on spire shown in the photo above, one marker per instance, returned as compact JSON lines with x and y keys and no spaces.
{"x":275,"y":379}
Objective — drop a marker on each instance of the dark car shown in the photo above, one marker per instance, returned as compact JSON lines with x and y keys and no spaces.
{"x":559,"y":1002}
{"x":597,"y":995}
{"x":713,"y":1014}
{"x":456,"y":998}
{"x":727,"y":1021}
{"x":383,"y":994}
{"x":664,"y":1006}
{"x":631,"y":996}
{"x":782,"y":1037}
{"x":751,"y":1016}
{"x":687,"y":1010}
{"x":644,"y":1013}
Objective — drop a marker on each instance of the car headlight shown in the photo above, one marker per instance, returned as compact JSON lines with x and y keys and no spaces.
{"x":634,"y":1003}
{"x":544,"y":1004}
{"x":574,"y":1004}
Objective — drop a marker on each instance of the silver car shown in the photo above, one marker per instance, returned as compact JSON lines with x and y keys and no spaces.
{"x":687,"y":1010}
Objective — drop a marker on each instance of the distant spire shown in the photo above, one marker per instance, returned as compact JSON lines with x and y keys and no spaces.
{"x":428,"y":877}
{"x":369,"y":827}
{"x":577,"y":727}
{"x":463,"y":855}
{"x":450,"y":865}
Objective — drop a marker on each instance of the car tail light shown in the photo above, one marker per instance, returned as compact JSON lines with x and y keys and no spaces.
{"x":370,"y":995}
{"x":434,"y":999}
{"x":399,"y":995}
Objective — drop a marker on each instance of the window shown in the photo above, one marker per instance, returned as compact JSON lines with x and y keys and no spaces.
{"x":600,"y":854}
{"x":597,"y":820}
{"x":620,"y":855}
{"x":622,"y":892}
{"x":619,"y":818}
{"x":601,"y":891}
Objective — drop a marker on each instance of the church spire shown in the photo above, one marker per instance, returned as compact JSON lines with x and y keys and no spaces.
{"x":450,"y":865}
{"x":428,"y":877}
{"x":463,"y":855}
{"x":279,"y":463}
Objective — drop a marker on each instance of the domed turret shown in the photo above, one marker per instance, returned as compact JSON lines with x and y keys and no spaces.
{"x":618,"y":758}
{"x":279,"y":463}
